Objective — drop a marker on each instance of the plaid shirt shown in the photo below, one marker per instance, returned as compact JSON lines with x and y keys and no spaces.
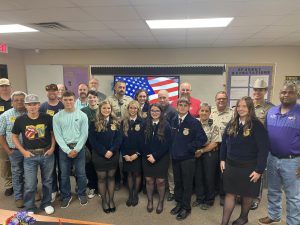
{"x":7,"y":120}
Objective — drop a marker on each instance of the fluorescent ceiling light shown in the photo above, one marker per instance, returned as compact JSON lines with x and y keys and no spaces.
{"x":15,"y":28}
{"x":189,"y":23}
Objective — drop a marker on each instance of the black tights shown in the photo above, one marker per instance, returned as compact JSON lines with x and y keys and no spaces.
{"x":229,"y":205}
{"x":161,"y":189}
{"x":106,"y":186}
{"x":134,"y":181}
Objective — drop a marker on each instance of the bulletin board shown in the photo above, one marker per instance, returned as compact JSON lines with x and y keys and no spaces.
{"x":240,"y":79}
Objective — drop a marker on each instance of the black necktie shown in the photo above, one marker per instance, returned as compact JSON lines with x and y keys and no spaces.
{"x":131,"y":123}
{"x":105,"y":123}
{"x":179,"y":122}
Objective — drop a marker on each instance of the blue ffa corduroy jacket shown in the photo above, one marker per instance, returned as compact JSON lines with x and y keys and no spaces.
{"x":187,"y":138}
{"x":103,"y":141}
{"x":155,"y":147}
{"x":133,"y":143}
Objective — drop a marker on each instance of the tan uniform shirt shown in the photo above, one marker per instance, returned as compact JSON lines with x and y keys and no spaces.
{"x":262,"y":109}
{"x":212,"y":132}
{"x":119,"y":106}
{"x":221,"y":119}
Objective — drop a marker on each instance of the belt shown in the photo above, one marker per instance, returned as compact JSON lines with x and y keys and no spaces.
{"x":72,"y":145}
{"x":38,"y":151}
{"x":292,"y":156}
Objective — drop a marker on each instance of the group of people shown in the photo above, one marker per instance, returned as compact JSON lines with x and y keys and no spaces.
{"x":183,"y":147}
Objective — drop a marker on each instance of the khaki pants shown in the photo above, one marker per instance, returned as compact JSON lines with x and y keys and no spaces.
{"x":171,"y":177}
{"x":5,"y":169}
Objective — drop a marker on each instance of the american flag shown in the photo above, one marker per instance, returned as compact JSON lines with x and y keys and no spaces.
{"x":152,"y":85}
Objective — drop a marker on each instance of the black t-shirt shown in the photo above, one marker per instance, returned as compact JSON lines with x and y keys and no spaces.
{"x":36,"y":133}
{"x":50,"y":109}
{"x":4,"y":105}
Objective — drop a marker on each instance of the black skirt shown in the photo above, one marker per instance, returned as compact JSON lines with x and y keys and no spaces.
{"x":236,"y":179}
{"x":158,"y":169}
{"x":103,"y":164}
{"x":134,"y":166}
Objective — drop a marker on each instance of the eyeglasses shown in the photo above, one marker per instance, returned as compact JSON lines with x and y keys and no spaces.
{"x":155,"y":111}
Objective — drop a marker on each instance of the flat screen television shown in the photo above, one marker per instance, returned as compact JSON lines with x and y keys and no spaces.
{"x":152,"y":84}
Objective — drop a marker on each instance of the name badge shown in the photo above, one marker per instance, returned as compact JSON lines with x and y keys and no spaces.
{"x":1,"y":108}
{"x":12,"y":119}
{"x":50,"y":112}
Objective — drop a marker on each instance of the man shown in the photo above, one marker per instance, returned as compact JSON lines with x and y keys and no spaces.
{"x":7,"y":120}
{"x":221,"y":114}
{"x":260,"y":89}
{"x":283,"y":167}
{"x":37,"y":148}
{"x":94,"y":86}
{"x":61,"y":89}
{"x":188,"y":136}
{"x":71,"y":131}
{"x":51,"y":107}
{"x":82,"y":99}
{"x":170,"y":114}
{"x":119,"y":100}
{"x":91,"y":174}
{"x":5,"y":167}
{"x":186,"y":90}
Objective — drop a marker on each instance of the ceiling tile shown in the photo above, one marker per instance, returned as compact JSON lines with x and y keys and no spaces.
{"x":112,"y":13}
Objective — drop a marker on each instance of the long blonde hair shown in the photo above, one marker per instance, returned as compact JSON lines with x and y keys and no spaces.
{"x":127,"y":115}
{"x":99,"y":122}
{"x":234,"y":123}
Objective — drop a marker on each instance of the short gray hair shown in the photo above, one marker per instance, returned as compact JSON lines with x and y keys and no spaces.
{"x":206,"y":104}
{"x":17,"y":93}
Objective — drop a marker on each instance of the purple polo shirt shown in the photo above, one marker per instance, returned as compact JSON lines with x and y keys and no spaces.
{"x":284,"y":131}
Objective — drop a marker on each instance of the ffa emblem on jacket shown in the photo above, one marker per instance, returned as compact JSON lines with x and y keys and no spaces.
{"x":137,"y":127}
{"x":113,"y":127}
{"x":186,"y":131}
{"x":246,"y":132}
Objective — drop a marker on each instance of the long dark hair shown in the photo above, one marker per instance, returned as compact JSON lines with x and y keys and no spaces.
{"x":140,"y":91}
{"x":234,"y":123}
{"x":161,"y":124}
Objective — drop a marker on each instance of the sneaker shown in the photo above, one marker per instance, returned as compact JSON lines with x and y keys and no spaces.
{"x":267,"y":220}
{"x":49,"y":210}
{"x":83,"y":200}
{"x":9,"y":191}
{"x":65,"y":203}
{"x":30,"y":212}
{"x":91,"y":194}
{"x":53,"y":196}
{"x":19,"y":203}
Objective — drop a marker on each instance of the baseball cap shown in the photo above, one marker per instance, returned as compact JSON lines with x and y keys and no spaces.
{"x":4,"y":81}
{"x":51,"y":87}
{"x":31,"y":98}
{"x":260,"y":83}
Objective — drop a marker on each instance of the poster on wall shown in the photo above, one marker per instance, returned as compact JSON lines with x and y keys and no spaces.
{"x":296,"y":80}
{"x":152,"y":84}
{"x":240,"y":79}
{"x":73,"y":76}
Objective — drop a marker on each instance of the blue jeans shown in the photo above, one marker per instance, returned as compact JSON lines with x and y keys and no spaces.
{"x":31,"y":165}
{"x":17,"y":170}
{"x":56,"y":172}
{"x":65,"y":164}
{"x":282,"y":175}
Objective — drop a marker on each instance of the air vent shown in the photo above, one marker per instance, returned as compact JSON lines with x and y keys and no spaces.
{"x":51,"y":25}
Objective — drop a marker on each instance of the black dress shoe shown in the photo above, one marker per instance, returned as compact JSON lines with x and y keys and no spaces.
{"x":240,"y":221}
{"x":135,"y":199}
{"x":160,"y":208}
{"x":171,"y":197}
{"x":176,"y":210}
{"x":183,"y":214}
{"x":150,"y":206}
{"x":9,"y":191}
{"x":106,"y":210}
{"x":112,"y":210}
{"x":254,"y":205}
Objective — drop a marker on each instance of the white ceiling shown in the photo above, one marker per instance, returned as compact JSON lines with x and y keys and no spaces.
{"x":121,"y":23}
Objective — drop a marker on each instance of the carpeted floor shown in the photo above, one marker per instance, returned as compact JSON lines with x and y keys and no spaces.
{"x":138,"y":215}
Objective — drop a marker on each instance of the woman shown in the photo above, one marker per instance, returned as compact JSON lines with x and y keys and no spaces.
{"x":142,"y":97}
{"x":207,"y":161}
{"x":105,"y":138}
{"x":131,"y":148}
{"x":243,"y":158}
{"x":155,"y":155}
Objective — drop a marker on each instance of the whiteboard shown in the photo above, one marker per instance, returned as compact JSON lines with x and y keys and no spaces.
{"x":38,"y":76}
{"x":204,"y":87}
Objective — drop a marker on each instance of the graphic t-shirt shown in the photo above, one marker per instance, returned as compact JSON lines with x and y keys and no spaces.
{"x":36,"y":133}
